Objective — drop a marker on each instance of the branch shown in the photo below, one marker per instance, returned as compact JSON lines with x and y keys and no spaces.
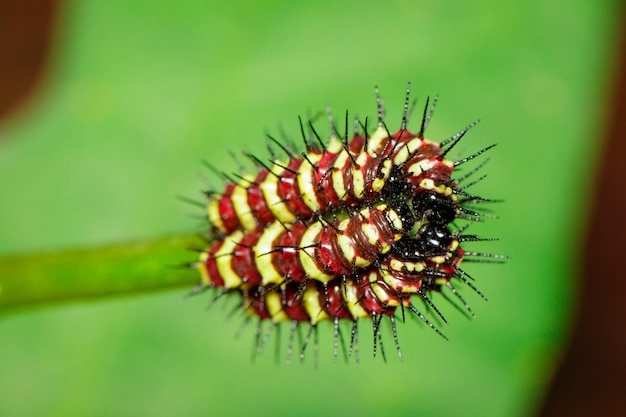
{"x":69,"y":275}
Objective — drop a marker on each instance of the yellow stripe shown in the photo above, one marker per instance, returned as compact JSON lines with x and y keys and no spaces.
{"x":392,"y":281}
{"x":406,"y":266}
{"x":421,"y":166}
{"x":306,"y":179}
{"x":380,"y":293}
{"x":200,"y":266}
{"x":371,"y":232}
{"x":263,"y":260}
{"x":358,"y":180}
{"x":270,"y":193}
{"x":352,"y":300}
{"x":223,"y":258}
{"x":408,"y":149}
{"x":346,"y":243}
{"x":394,"y":219}
{"x":307,"y":253}
{"x":376,"y":142}
{"x":239,"y":198}
{"x":275,"y":307}
{"x":379,"y":182}
{"x":427,"y":184}
{"x":334,"y":145}
{"x":337,"y":174}
{"x":347,"y":248}
{"x":312,"y":305}
{"x":373,"y":238}
{"x":215,"y":218}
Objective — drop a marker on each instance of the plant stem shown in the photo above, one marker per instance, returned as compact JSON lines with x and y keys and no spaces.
{"x":53,"y":277}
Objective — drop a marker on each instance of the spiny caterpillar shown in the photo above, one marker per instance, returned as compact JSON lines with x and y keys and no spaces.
{"x":338,"y":175}
{"x":360,"y":227}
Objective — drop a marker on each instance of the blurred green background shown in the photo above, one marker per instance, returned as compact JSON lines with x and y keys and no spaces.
{"x":138,"y":94}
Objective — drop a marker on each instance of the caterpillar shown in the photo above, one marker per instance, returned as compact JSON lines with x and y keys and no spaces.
{"x":374,"y":292}
{"x":338,"y":175}
{"x":352,"y":229}
{"x":299,"y":252}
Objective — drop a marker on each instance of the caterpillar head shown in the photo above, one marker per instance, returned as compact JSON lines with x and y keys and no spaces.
{"x":435,"y":207}
{"x":432,"y":240}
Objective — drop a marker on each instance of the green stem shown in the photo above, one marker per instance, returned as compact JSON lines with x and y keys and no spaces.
{"x":35,"y":279}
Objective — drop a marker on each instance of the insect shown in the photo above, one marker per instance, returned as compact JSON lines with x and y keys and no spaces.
{"x":341,"y":174}
{"x":355,"y":228}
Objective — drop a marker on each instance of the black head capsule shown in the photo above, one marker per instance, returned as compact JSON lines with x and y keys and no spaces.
{"x":434,"y":207}
{"x":397,"y":184}
{"x":432,"y":240}
{"x":407,"y":249}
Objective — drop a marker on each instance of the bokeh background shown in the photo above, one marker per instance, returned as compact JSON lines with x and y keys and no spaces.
{"x":134,"y":95}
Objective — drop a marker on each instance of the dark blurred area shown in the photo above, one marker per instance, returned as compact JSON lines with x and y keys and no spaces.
{"x":592,"y":377}
{"x":26,"y":37}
